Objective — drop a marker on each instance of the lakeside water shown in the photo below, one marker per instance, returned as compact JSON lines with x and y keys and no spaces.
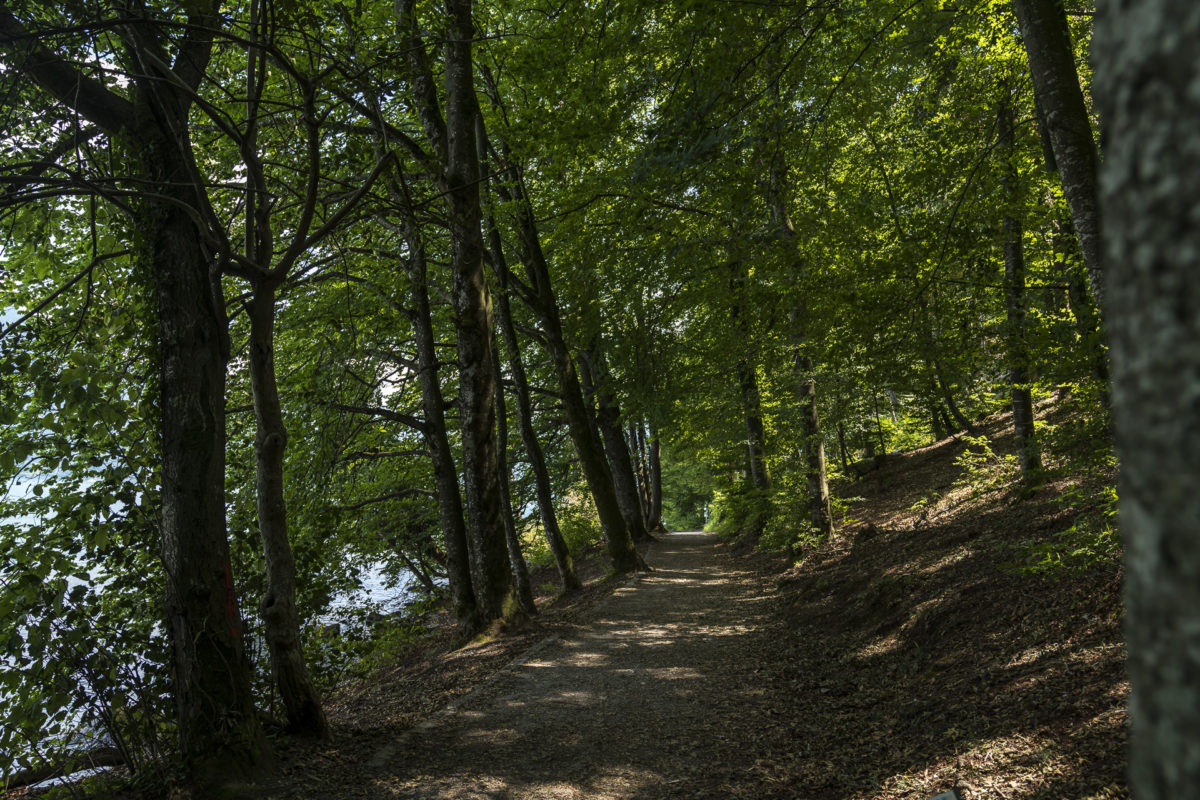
{"x":379,"y":593}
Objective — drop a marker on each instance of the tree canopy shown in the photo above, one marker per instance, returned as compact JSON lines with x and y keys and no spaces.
{"x":295,"y":287}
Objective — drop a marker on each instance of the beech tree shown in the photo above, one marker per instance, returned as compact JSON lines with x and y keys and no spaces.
{"x":1056,"y":82}
{"x":455,"y":153}
{"x":1146,"y":74}
{"x":181,"y":251}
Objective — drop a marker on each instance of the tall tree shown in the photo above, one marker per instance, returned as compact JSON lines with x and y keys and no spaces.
{"x":516,"y":559}
{"x":452,"y":139}
{"x":597,"y":384}
{"x":1016,"y":334}
{"x":747,"y":379}
{"x":220,"y":735}
{"x":524,"y":410}
{"x":1145,"y":80}
{"x":1047,"y":39}
{"x":539,"y":294}
{"x":454,"y":531}
{"x":654,"y":456}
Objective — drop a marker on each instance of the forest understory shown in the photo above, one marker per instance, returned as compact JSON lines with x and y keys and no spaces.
{"x":951,"y":634}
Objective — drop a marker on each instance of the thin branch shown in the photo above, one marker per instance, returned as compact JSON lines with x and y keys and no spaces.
{"x":84,"y":273}
{"x":381,"y":413}
{"x":396,"y":495}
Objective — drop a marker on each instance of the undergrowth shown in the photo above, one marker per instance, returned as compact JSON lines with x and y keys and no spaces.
{"x":740,"y":511}
{"x":1081,"y":466}
{"x":578,"y":522}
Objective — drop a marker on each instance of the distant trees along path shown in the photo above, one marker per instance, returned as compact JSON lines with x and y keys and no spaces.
{"x":279,"y":279}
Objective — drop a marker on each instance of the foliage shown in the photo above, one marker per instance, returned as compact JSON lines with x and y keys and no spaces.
{"x":984,"y":470}
{"x":740,"y":511}
{"x":578,"y":521}
{"x":1093,"y":540}
{"x":721,"y":193}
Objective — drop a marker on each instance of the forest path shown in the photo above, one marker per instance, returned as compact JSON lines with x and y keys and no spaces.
{"x":655,"y":697}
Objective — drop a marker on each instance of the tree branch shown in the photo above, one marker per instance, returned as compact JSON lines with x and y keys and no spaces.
{"x":381,"y":413}
{"x":85,"y":95}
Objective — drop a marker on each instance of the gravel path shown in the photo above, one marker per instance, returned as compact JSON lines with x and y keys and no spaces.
{"x":655,"y":697}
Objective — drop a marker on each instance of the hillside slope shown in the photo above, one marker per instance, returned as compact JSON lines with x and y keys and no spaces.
{"x":924,"y":652}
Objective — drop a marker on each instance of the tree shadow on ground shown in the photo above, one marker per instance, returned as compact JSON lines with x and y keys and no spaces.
{"x":919,"y":660}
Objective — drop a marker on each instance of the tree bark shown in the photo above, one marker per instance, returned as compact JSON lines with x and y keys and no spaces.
{"x":542,"y":302}
{"x":533,"y":448}
{"x":277,"y":607}
{"x":819,"y":508}
{"x":655,"y":522}
{"x":516,"y":559}
{"x":220,"y":738}
{"x":820,"y":512}
{"x":453,"y":139}
{"x":590,"y":451}
{"x":1146,"y":79}
{"x":1056,"y":84}
{"x":281,"y":620}
{"x":960,"y":419}
{"x":878,"y":425}
{"x":841,"y":432}
{"x":445,"y":472}
{"x":747,"y":375}
{"x":938,"y":421}
{"x":642,"y":460}
{"x":756,"y":435}
{"x":608,"y":420}
{"x":1016,"y":336}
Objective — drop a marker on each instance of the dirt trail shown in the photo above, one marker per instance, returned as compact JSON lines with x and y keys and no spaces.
{"x":654,"y":698}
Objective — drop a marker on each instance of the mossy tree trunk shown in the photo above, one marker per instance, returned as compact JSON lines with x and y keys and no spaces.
{"x":1146,"y":79}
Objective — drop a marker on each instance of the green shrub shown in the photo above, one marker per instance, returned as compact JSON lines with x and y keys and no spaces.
{"x":739,"y":511}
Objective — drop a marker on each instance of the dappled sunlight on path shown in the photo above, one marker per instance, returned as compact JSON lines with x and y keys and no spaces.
{"x":615,"y":710}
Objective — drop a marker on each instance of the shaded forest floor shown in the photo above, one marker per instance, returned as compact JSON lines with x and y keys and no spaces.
{"x":922,"y":650}
{"x":909,"y":654}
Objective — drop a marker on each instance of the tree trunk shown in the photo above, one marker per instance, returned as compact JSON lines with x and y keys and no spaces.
{"x":1083,"y":310}
{"x":643,"y":470}
{"x":878,"y":423}
{"x":533,"y":449}
{"x":655,"y":522}
{"x":841,"y":432}
{"x":820,"y":513}
{"x":621,"y":550}
{"x":221,"y":740}
{"x":419,"y":571}
{"x":960,"y":419}
{"x":944,"y":416}
{"x":1014,"y":301}
{"x":281,"y":621}
{"x":445,"y":472}
{"x":516,"y":559}
{"x":1056,"y":84}
{"x":220,"y":736}
{"x":637,"y":456}
{"x":819,"y":510}
{"x":937,"y":420}
{"x":491,"y":577}
{"x":756,"y":434}
{"x":595,"y":375}
{"x":1146,"y":79}
{"x":747,"y":375}
{"x":591,"y":457}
